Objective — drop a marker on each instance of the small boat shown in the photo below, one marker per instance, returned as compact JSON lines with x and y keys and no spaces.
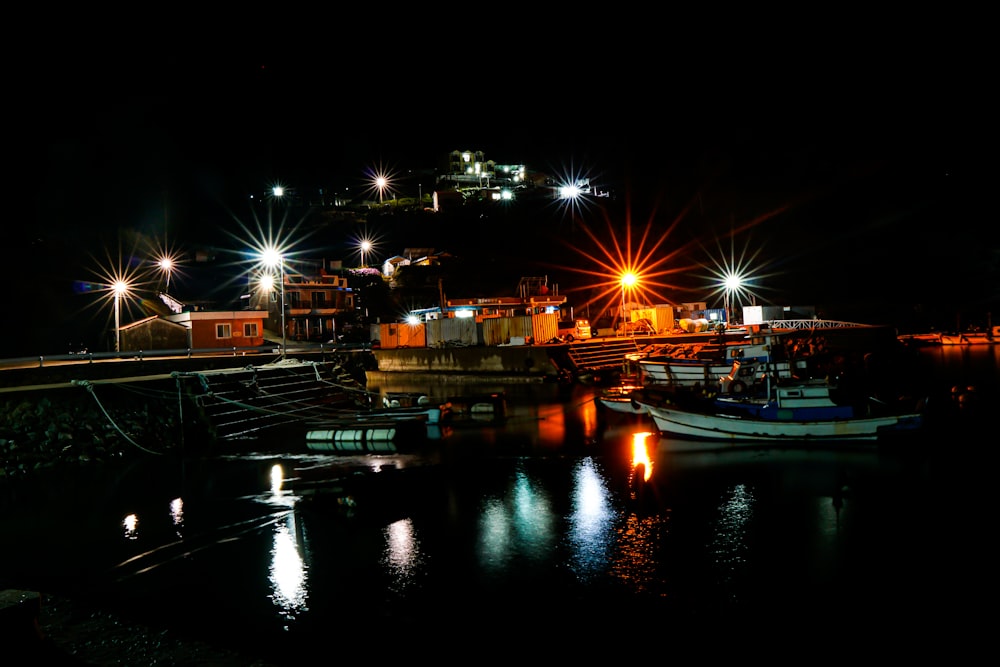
{"x":632,"y":399}
{"x":620,"y":399}
{"x":988,"y":337}
{"x":703,"y":365}
{"x":805,"y":410}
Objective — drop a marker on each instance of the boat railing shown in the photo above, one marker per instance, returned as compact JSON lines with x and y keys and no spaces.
{"x":813,"y":324}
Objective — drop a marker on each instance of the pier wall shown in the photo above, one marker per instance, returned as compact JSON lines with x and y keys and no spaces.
{"x":530,"y":360}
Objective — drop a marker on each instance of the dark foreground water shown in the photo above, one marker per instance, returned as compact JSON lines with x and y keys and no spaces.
{"x":535,"y":540}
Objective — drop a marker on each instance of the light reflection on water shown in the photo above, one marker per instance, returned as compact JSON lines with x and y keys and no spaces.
{"x":288,"y":571}
{"x":402,"y":558}
{"x":591,"y":524}
{"x":517,"y":525}
{"x":729,"y":536}
{"x":703,"y":528}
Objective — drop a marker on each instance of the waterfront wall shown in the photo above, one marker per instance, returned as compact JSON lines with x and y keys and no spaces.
{"x":79,"y":414}
{"x":528,"y":360}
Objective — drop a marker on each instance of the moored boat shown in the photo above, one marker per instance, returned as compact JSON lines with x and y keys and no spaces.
{"x":805,"y":410}
{"x":632,"y":399}
{"x":703,"y":365}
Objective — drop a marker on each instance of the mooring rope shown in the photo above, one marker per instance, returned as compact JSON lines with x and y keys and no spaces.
{"x":280,"y":406}
{"x":256,"y":408}
{"x":90,"y":388}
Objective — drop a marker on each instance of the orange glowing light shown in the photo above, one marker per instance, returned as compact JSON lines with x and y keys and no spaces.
{"x":626,"y":268}
{"x":640,"y":454}
{"x":663,"y":265}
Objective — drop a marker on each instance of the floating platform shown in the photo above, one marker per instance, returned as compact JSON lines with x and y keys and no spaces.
{"x":391,"y":435}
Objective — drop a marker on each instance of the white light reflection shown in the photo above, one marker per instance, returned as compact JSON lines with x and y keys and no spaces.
{"x":729,"y":543}
{"x":177,"y":515}
{"x":131,"y":525}
{"x":402,"y":557}
{"x":523,"y":529}
{"x":288,"y":572}
{"x":592,"y":521}
{"x":279,"y":496}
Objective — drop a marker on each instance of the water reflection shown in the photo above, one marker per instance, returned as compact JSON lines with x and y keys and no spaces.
{"x":402,"y":558}
{"x":691,"y":532}
{"x":131,"y":525}
{"x":287,"y":572}
{"x":521,"y":528}
{"x":591,"y":524}
{"x":177,"y":516}
{"x":279,"y":495}
{"x":729,"y":547}
{"x":637,"y":546}
{"x":640,"y":536}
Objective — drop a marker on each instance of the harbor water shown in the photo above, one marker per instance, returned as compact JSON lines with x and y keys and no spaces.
{"x":539,"y":537}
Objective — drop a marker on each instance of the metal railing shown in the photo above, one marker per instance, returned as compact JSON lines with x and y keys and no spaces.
{"x":41,"y":361}
{"x":813,"y":324}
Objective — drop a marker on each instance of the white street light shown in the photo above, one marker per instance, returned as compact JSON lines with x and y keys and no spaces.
{"x":120,"y":287}
{"x":731,"y":285}
{"x":166,"y":265}
{"x":366,"y":245}
{"x":271,"y":257}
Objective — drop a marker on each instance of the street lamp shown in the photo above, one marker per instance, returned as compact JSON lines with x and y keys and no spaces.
{"x":381,"y":183}
{"x":120,"y":287}
{"x":628,"y":281}
{"x":166,"y":265}
{"x":271,"y":257}
{"x":730,"y":285}
{"x":366,"y":245}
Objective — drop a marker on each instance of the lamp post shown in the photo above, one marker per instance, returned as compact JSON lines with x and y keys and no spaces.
{"x":731,"y":285}
{"x":120,"y":287}
{"x":366,"y":245}
{"x":271,"y":257}
{"x":628,"y":281}
{"x":381,"y":183}
{"x":166,"y":265}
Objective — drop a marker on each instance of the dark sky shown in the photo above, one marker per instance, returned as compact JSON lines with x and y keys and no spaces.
{"x":866,"y":170}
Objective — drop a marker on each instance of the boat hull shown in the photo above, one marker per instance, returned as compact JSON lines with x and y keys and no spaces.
{"x":714,"y":426}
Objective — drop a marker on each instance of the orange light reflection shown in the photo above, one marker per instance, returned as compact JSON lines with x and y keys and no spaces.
{"x":640,"y":455}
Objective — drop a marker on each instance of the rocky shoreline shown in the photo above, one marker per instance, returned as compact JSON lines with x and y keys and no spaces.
{"x":76,"y":427}
{"x":82,"y":414}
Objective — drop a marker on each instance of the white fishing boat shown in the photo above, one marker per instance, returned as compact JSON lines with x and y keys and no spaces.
{"x":620,"y":399}
{"x":804,"y":410}
{"x":703,"y":365}
{"x":631,"y":398}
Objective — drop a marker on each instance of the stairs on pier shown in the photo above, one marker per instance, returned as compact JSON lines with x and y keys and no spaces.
{"x":602,"y":354}
{"x":240,"y":403}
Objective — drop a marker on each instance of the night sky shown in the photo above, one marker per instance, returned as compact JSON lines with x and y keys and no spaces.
{"x":859,"y":183}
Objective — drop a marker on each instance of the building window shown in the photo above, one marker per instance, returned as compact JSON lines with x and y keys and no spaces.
{"x":250,"y":329}
{"x":223,"y":331}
